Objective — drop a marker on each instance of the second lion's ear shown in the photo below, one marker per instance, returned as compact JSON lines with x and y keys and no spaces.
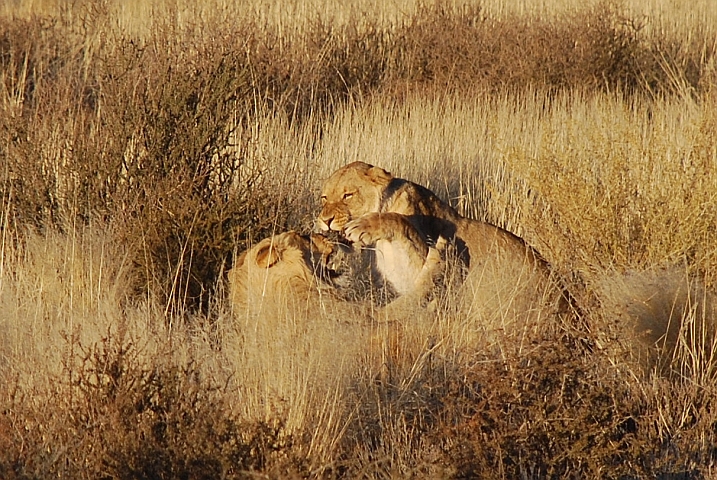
{"x":268,"y":256}
{"x":379,"y":175}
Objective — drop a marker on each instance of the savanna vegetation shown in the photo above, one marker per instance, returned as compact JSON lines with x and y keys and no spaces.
{"x":144,"y":144}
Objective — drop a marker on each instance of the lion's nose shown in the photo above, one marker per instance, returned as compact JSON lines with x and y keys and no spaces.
{"x":324,"y":224}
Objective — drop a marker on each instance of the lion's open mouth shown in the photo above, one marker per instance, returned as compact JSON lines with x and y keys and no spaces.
{"x":336,"y":261}
{"x":336,"y":237}
{"x":331,"y":253}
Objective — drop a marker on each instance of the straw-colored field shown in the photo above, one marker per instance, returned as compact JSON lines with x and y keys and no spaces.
{"x":144,"y":144}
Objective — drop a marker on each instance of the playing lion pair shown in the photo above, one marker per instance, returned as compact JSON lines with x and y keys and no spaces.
{"x":410,"y":231}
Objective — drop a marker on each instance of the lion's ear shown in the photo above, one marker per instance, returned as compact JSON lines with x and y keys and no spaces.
{"x":379,"y":175}
{"x":268,"y":256}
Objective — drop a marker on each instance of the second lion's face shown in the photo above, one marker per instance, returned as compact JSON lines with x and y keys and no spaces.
{"x":349,"y":193}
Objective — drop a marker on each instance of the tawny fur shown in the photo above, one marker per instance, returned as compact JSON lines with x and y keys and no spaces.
{"x":506,"y":278}
{"x":290,"y":272}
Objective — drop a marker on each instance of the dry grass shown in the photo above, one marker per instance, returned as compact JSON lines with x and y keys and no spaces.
{"x":143,"y":144}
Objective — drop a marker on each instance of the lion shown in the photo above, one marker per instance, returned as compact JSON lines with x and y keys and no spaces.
{"x":283,"y":294}
{"x":295,"y":272}
{"x":369,"y":205}
{"x":279,"y":269}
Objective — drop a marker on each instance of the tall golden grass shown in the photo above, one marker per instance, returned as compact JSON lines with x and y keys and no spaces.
{"x":144,"y":144}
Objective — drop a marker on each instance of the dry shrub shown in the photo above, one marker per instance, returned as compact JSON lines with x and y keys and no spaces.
{"x":140,"y":135}
{"x":443,"y":48}
{"x":593,"y":49}
{"x":183,"y":196}
{"x":112,"y":413}
{"x":318,"y":72}
{"x":32,"y":52}
{"x":557,"y":412}
{"x":395,"y":413}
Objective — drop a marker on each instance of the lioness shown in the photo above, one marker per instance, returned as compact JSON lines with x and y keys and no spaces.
{"x":292,"y":272}
{"x":283,"y":287}
{"x":369,"y":205}
{"x":280,"y":269}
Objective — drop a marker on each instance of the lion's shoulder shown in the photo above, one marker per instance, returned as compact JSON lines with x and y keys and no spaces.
{"x":408,"y":198}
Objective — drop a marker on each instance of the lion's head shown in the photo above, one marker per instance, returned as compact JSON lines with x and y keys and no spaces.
{"x":283,"y":268}
{"x":352,"y":191}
